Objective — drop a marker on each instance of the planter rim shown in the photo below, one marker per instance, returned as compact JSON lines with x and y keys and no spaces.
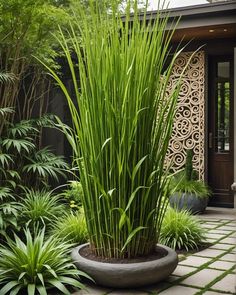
{"x":188,"y":194}
{"x":75,"y":253}
{"x":127,"y":275}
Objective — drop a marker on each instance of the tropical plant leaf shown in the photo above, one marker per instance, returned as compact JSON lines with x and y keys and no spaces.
{"x":18,"y":144}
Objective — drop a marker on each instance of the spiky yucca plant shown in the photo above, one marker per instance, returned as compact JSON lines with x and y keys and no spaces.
{"x":122,"y":122}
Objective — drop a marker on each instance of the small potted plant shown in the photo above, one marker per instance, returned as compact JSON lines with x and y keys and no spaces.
{"x":122,"y":114}
{"x":188,"y":191}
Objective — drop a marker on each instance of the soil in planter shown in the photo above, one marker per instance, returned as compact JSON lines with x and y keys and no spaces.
{"x":157,"y":254}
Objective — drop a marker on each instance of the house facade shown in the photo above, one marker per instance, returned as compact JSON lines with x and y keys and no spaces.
{"x":206,"y":115}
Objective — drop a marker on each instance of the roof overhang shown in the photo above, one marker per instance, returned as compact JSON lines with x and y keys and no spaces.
{"x":201,"y":22}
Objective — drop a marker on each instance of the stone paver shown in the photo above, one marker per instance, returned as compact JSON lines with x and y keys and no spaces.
{"x":202,"y":278}
{"x":229,"y":240}
{"x":195,"y":261}
{"x":210,"y":252}
{"x":229,"y":257}
{"x":221,"y":246}
{"x":182,"y":270}
{"x":214,"y":293}
{"x":156,"y":288}
{"x":222,"y":264}
{"x":179,"y":290}
{"x":214,"y":236}
{"x":211,"y":241}
{"x":209,"y":226}
{"x":93,"y":290}
{"x":226,"y":228}
{"x":226,"y":284}
{"x":127,"y":292}
{"x":217,"y":231}
{"x":171,"y":279}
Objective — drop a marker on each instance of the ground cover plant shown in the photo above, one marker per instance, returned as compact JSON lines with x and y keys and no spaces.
{"x":73,"y":194}
{"x":30,"y":263}
{"x":36,"y":266}
{"x":39,"y":209}
{"x":71,"y":227}
{"x":181,"y":230}
{"x":122,"y":128}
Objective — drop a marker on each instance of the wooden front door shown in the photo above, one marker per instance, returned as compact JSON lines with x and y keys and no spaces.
{"x":221,"y":133}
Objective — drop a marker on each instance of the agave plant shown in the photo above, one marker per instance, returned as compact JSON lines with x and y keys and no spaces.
{"x":122,"y":122}
{"x":36,"y":266}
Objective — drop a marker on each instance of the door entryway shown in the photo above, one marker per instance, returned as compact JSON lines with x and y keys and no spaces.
{"x":220,"y":128}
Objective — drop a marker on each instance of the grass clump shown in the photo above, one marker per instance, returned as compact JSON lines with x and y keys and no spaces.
{"x":187,"y":181}
{"x":40,"y":208}
{"x":72,"y":228}
{"x":36,"y":266}
{"x":121,"y":132}
{"x":181,"y":230}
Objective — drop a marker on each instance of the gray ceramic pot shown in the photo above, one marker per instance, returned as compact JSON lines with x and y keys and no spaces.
{"x":127,"y":275}
{"x":190,"y":202}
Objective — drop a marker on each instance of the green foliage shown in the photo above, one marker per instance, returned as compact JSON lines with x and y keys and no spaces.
{"x":189,"y":165}
{"x":6,"y":77}
{"x":22,"y":167}
{"x":9,"y":211}
{"x":123,"y":127}
{"x":187,"y":181}
{"x":45,"y":164}
{"x":73,"y":195}
{"x":21,"y":163}
{"x":30,"y":21}
{"x":71,"y":227}
{"x":40,"y":208}
{"x":36,"y":266}
{"x":181,"y":230}
{"x":197,"y":187}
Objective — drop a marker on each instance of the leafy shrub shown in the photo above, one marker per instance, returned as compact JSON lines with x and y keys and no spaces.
{"x":22,"y":164}
{"x":72,"y":228}
{"x":9,"y":211}
{"x":181,"y":230}
{"x":37,"y":266}
{"x":73,"y":195}
{"x":40,"y":208}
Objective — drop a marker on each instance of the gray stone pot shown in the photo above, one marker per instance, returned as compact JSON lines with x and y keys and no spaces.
{"x":127,"y":275}
{"x":190,"y":202}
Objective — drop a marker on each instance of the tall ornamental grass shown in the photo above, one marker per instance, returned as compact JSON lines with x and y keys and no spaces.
{"x":122,"y":122}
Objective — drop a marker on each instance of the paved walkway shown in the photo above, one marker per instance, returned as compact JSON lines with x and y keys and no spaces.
{"x":209,"y":272}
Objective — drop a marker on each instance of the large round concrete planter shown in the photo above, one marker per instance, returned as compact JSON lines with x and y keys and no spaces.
{"x":127,"y":275}
{"x":190,"y":202}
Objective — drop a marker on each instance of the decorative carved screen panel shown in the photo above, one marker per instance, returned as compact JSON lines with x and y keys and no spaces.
{"x":188,"y":131}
